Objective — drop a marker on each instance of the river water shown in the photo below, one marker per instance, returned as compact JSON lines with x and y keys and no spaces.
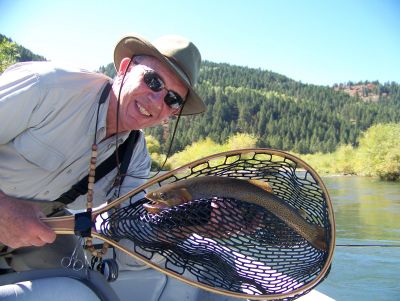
{"x":367,"y":212}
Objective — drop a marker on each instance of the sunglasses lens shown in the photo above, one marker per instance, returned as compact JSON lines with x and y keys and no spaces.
{"x":173,"y":100}
{"x":153,"y":81}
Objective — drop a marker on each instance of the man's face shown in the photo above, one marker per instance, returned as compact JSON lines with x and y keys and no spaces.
{"x":140,"y":106}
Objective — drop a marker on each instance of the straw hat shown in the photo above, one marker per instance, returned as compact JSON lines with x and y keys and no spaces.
{"x":177,"y":53}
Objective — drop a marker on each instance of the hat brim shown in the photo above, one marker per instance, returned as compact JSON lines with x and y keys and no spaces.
{"x":132,"y":45}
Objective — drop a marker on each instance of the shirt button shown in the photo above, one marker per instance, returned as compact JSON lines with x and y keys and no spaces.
{"x":69,"y":171}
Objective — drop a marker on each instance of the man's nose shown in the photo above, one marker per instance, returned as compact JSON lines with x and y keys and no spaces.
{"x":157,"y":98}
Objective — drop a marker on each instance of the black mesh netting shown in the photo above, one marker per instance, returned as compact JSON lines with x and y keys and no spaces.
{"x":230,"y":244}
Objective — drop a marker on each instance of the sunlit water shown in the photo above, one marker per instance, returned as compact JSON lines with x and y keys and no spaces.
{"x":367,"y":212}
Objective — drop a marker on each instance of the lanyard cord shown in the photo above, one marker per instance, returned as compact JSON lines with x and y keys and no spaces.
{"x":118,"y":181}
{"x":117,"y":116}
{"x":91,"y":179}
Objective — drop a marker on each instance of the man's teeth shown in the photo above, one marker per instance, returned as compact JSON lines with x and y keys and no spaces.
{"x":143,"y":110}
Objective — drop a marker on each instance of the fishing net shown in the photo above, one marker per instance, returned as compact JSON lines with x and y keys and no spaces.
{"x":233,"y":246}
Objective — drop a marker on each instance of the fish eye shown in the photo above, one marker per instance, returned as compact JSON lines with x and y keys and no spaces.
{"x":163,"y":196}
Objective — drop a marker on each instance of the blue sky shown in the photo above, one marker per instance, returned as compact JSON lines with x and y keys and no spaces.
{"x":320,"y":42}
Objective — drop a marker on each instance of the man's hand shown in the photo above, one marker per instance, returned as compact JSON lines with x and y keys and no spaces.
{"x":20,"y":224}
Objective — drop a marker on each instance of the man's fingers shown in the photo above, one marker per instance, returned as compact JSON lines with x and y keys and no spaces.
{"x":44,"y":233}
{"x":28,"y":242}
{"x":20,"y":223}
{"x":13,"y":244}
{"x":37,"y":242}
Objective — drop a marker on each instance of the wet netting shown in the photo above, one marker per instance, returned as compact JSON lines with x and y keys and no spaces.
{"x":233,"y":246}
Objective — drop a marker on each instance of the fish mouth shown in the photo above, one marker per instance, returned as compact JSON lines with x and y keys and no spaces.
{"x":155,"y":207}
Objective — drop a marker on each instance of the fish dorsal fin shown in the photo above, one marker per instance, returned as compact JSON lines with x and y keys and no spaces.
{"x":261,"y":184}
{"x":185,"y":194}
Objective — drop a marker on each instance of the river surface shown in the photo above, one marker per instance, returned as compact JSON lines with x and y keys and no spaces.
{"x":367,"y":212}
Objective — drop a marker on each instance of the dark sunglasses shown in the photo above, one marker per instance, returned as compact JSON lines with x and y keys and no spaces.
{"x":156,"y":84}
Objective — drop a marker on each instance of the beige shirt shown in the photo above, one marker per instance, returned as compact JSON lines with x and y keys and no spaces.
{"x":48,"y":122}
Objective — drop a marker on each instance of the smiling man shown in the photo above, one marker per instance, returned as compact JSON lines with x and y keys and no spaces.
{"x":142,"y":90}
{"x":51,"y":116}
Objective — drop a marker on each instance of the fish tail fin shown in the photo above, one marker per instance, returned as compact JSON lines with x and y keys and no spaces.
{"x":319,"y":238}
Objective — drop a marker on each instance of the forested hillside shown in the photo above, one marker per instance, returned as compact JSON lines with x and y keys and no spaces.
{"x":280,"y":112}
{"x":283,"y":113}
{"x":20,"y":53}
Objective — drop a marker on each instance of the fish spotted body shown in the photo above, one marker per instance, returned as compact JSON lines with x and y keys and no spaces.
{"x":255,"y":192}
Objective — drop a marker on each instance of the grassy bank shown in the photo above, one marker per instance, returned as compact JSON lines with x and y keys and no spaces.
{"x":377,"y":154}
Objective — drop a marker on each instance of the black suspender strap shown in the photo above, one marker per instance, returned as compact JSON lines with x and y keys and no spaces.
{"x":125,"y":151}
{"x":104,"y":94}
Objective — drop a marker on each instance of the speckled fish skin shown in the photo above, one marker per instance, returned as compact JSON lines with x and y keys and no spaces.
{"x":183,"y":191}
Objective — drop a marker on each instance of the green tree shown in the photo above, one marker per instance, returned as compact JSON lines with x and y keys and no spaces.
{"x":108,"y":70}
{"x":283,"y":113}
{"x":379,"y":152}
{"x":8,"y":54}
{"x":344,"y":158}
{"x":152,"y":144}
{"x":241,"y":141}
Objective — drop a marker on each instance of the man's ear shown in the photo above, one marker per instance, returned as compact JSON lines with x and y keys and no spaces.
{"x":123,"y":65}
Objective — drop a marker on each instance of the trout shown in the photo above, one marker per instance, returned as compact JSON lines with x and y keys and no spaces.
{"x":251,"y":191}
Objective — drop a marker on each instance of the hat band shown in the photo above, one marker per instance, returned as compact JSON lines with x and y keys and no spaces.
{"x":179,"y":69}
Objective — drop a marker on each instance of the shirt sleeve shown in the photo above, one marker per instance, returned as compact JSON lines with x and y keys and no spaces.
{"x":19,"y":96}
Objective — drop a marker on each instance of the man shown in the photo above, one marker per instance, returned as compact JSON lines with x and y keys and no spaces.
{"x":50,"y":116}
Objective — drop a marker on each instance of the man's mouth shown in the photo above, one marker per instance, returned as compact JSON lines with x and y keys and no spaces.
{"x":143,"y":110}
